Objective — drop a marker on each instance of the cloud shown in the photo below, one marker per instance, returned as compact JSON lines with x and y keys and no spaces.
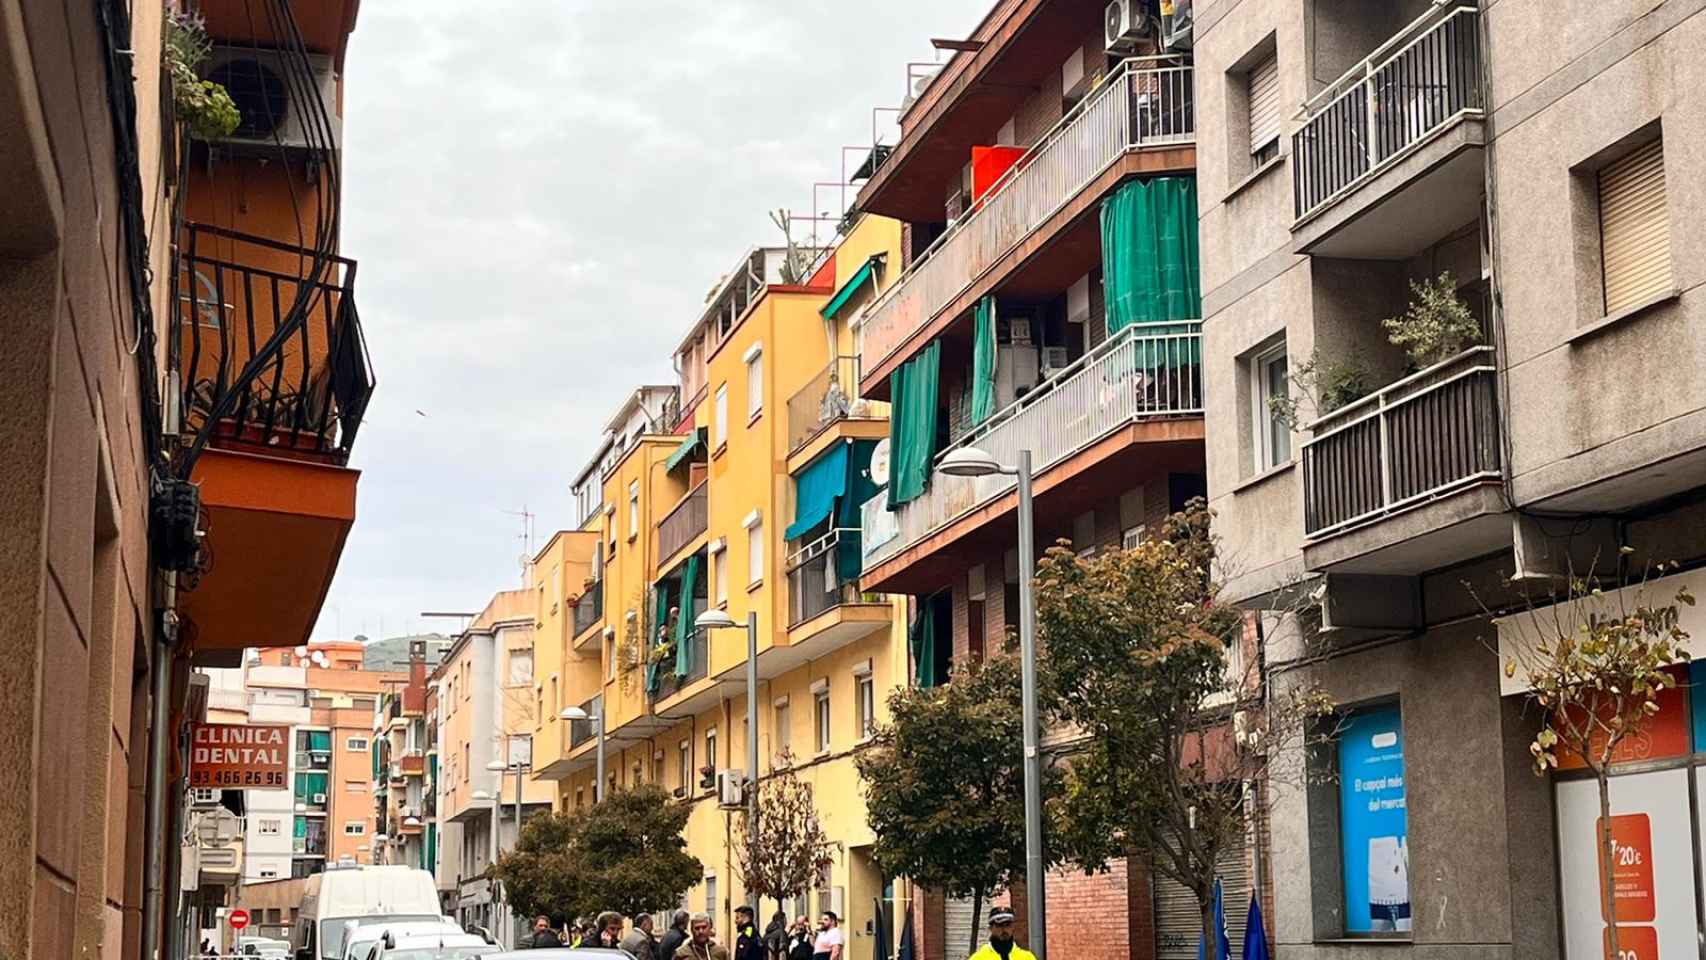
{"x":539,"y":192}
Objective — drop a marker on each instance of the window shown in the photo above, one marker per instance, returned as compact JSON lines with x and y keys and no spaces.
{"x":1372,"y":822}
{"x":711,"y":748}
{"x":1264,"y":100}
{"x":268,"y":827}
{"x":556,"y":698}
{"x":684,"y":765}
{"x":711,"y":896}
{"x":356,"y":744}
{"x":520,"y":666}
{"x":754,"y":548}
{"x":268,"y":874}
{"x":633,"y":509}
{"x":865,"y":692}
{"x":285,"y":659}
{"x":1272,"y":438}
{"x":821,"y":712}
{"x":1634,"y":229}
{"x":355,"y":786}
{"x":720,"y":419}
{"x":720,"y":571}
{"x":580,"y":797}
{"x":354,"y":828}
{"x":609,"y":658}
{"x":784,"y":729}
{"x":754,"y":380}
{"x":465,"y":763}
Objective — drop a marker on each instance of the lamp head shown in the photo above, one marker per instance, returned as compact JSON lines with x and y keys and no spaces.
{"x":714,"y":619}
{"x":480,"y":795}
{"x":497,"y":766}
{"x":969,"y":462}
{"x":576,"y":713}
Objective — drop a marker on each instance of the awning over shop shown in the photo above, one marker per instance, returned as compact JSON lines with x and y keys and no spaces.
{"x":693,"y":442}
{"x":866,"y":272}
{"x":816,"y":489}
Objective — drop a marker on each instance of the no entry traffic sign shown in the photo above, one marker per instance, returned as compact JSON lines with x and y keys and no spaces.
{"x":238,"y":918}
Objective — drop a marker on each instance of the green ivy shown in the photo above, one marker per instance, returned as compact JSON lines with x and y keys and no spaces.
{"x":204,"y":106}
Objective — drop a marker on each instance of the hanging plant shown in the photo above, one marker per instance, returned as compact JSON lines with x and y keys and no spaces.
{"x":1437,"y":326}
{"x":204,"y":106}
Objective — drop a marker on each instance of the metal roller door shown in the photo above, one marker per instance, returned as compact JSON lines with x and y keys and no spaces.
{"x":1178,"y":925}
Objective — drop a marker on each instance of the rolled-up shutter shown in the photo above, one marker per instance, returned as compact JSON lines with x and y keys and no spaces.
{"x":1264,"y":104}
{"x":957,"y":926}
{"x":1634,"y":228}
{"x":1178,"y":925}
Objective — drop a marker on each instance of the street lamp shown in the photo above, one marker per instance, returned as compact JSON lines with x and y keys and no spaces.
{"x":717,"y":618}
{"x":576,"y":713}
{"x":973,"y":462}
{"x":491,"y":885}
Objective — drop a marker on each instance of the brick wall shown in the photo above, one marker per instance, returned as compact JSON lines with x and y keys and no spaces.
{"x":1102,"y":916}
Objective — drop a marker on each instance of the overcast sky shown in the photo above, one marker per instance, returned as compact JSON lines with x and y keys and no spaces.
{"x":539,"y":194}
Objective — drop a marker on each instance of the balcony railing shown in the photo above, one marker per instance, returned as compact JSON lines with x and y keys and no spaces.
{"x":1419,"y":438}
{"x":815,"y":581}
{"x":830,"y":396}
{"x":1415,"y":84}
{"x":589,"y":609}
{"x":669,"y":684}
{"x":683,"y":523}
{"x":1141,"y":104}
{"x":580,"y":731}
{"x":1132,"y":376}
{"x":233,"y":293}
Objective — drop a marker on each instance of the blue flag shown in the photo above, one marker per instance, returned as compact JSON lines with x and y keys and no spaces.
{"x":1255,"y":937}
{"x":1222,"y":946}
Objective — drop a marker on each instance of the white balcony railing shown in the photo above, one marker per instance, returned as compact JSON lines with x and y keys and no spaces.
{"x":1411,"y":87}
{"x":1133,"y":376}
{"x":1140,"y":104}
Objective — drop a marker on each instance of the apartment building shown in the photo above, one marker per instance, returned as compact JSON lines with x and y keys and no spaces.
{"x":1538,"y":156}
{"x":138,"y":451}
{"x":488,"y":712}
{"x":404,"y":828}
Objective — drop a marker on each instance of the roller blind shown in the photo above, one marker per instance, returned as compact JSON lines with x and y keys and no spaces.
{"x":1634,"y":230}
{"x":1264,"y":104}
{"x":1178,"y":925}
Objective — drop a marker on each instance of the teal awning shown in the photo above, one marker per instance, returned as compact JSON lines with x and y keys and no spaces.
{"x":816,"y":490}
{"x":865,"y":272}
{"x":912,"y":424}
{"x":1151,"y":270}
{"x":689,"y":445}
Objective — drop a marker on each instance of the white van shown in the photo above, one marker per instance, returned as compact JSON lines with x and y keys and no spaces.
{"x":343,"y":893}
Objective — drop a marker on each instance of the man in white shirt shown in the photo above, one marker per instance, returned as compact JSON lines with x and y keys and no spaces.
{"x":828,"y":944}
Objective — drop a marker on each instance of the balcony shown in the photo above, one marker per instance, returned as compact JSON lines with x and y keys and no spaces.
{"x":1389,"y":156}
{"x":1128,"y":407}
{"x":828,"y":398}
{"x":313,"y":759}
{"x":589,"y":609}
{"x":583,"y":731}
{"x":270,"y":364}
{"x":683,"y":524}
{"x":1139,"y":106}
{"x":412,"y":765}
{"x":1408,"y":480}
{"x":669,"y":684}
{"x":826,"y":610}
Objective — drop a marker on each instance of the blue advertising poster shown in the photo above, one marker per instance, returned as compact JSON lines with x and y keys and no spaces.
{"x":1372,"y":823}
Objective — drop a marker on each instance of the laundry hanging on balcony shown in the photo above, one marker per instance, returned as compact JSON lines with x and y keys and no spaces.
{"x":816,"y":491}
{"x":912,"y":424}
{"x":1151,"y":271}
{"x":684,"y":623}
{"x":983,"y":362}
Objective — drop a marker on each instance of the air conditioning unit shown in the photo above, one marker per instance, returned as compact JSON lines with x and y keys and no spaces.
{"x":265,"y":85}
{"x":319,"y":798}
{"x":1055,"y":359}
{"x":731,"y":789}
{"x":1125,"y":24}
{"x":1016,"y":373}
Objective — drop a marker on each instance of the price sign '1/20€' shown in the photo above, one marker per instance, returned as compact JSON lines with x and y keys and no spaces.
{"x":240,"y":756}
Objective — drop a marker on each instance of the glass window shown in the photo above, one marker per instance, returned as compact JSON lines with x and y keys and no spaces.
{"x":1269,"y":383}
{"x":358,"y":744}
{"x":754,"y":385}
{"x":354,"y":828}
{"x":755,"y":552}
{"x":711,"y":748}
{"x":822,"y":712}
{"x":268,"y":827}
{"x":684,"y":765}
{"x":1373,"y":828}
{"x":521,"y":666}
{"x":720,"y":417}
{"x":784,"y":731}
{"x":866,"y":689}
{"x":633,"y":509}
{"x":720,"y":575}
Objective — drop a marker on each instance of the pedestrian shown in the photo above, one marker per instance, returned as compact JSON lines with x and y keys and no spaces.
{"x":828,"y":944}
{"x":589,"y":933}
{"x":700,"y":945}
{"x":748,"y":944}
{"x":776,"y":936}
{"x":639,"y":942}
{"x":1001,"y":945}
{"x":801,"y":940}
{"x":674,"y":937}
{"x":542,"y":935}
{"x":609,"y":935}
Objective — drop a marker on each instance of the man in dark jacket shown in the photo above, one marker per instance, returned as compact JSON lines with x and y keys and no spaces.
{"x":542,"y":935}
{"x":674,"y":937}
{"x":800,"y":940}
{"x":748,"y":944}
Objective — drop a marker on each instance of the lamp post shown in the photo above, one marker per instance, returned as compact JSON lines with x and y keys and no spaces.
{"x":717,"y":619}
{"x":499,"y":767}
{"x":973,"y":462}
{"x":576,"y":713}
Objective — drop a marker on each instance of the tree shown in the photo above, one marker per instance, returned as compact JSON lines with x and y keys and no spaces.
{"x":944,"y":784}
{"x":1595,"y":664}
{"x":626,"y":853}
{"x":1137,"y":660}
{"x":789,"y":846}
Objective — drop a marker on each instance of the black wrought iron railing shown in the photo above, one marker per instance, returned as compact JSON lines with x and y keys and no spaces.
{"x":580,"y":731}
{"x":589,"y":609}
{"x":823,"y":574}
{"x":232,"y":294}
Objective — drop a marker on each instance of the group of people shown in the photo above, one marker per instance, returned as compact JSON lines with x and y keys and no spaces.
{"x":691,"y":936}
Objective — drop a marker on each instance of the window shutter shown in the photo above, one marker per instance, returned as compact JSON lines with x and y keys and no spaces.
{"x":1264,"y":104}
{"x":1634,"y":230}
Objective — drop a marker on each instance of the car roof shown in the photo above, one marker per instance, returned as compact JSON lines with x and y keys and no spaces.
{"x":563,"y":953}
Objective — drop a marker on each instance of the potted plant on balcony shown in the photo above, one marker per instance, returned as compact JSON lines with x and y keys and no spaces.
{"x":1322,"y":383}
{"x":1437,"y":325}
{"x":204,"y":106}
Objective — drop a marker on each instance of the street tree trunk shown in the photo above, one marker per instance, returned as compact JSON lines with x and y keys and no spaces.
{"x":1210,"y":933}
{"x":1607,"y":863}
{"x":976,"y":912}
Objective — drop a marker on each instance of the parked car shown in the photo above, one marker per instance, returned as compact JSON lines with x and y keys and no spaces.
{"x":361,"y":936}
{"x":443,"y":945}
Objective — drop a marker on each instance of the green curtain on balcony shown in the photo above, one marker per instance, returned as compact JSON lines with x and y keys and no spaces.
{"x":922,"y":639}
{"x":983,"y":362}
{"x":660,"y":629}
{"x":816,"y":490}
{"x":308,"y":784}
{"x":320,"y":740}
{"x":912,"y":424}
{"x":849,"y":511}
{"x":684,"y":624}
{"x":378,"y":768}
{"x":300,"y":830}
{"x":1151,"y":271}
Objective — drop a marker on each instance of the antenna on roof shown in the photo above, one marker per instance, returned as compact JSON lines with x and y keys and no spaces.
{"x":526,"y":538}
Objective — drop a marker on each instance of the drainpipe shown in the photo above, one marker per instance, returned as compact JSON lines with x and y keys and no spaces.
{"x":154,"y":862}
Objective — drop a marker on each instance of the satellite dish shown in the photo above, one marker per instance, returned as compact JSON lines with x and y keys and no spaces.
{"x":880,"y":462}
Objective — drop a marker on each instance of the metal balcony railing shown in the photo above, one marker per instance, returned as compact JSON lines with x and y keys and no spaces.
{"x":686,"y":521}
{"x":1424,"y":436}
{"x":830,"y":396}
{"x":313,"y":760}
{"x":589,"y":609}
{"x":233,"y":292}
{"x":815,"y":580}
{"x":669,"y":684}
{"x":1410,"y":88}
{"x":1140,"y":104}
{"x":580,"y":731}
{"x":1132,"y":376}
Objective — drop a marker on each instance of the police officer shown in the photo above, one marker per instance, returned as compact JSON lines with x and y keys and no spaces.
{"x":1001,"y":945}
{"x":748,"y":944}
